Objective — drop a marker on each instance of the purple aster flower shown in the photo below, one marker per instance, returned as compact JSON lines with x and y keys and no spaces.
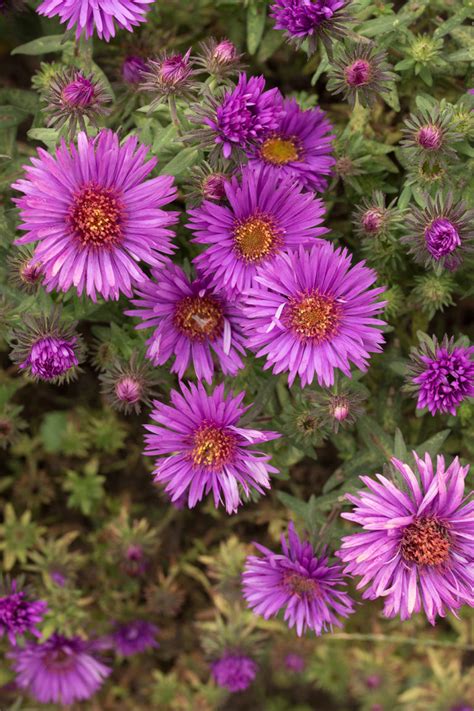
{"x":310,"y":20}
{"x":234,"y":671}
{"x":297,"y":580}
{"x":439,"y":233}
{"x":310,"y":312}
{"x":360,"y":72}
{"x":169,"y":76}
{"x":202,"y":448}
{"x":219,"y":58}
{"x":134,"y":637}
{"x":61,"y":670}
{"x":416,"y":548}
{"x":90,"y":15}
{"x":442,"y":374}
{"x":294,"y":662}
{"x":18,"y":614}
{"x":132,"y":69}
{"x":265,"y":215}
{"x":245,"y":115}
{"x":95,"y":216}
{"x":126,"y":385}
{"x":301,"y":147}
{"x":193,"y":322}
{"x":207,"y":182}
{"x":47,"y":349}
{"x":428,"y":135}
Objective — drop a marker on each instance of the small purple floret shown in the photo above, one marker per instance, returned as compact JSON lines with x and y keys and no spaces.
{"x":18,"y":615}
{"x":234,"y":672}
{"x":445,"y":380}
{"x":51,"y":357}
{"x":441,"y":238}
{"x":132,"y":69}
{"x":134,"y":637}
{"x":79,"y":93}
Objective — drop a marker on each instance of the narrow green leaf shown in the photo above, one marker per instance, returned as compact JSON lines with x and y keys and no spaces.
{"x":43,"y":45}
{"x":256,"y":15}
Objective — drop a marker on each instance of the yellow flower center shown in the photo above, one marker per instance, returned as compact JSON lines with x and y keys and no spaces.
{"x":199,"y":317}
{"x":213,"y":446}
{"x":256,"y":238}
{"x":96,"y":217}
{"x":279,"y":151}
{"x":313,"y":316}
{"x":426,"y":541}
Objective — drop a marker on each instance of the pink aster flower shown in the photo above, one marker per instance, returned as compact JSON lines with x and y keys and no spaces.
{"x":94,"y":216}
{"x":310,"y":20}
{"x":234,"y":671}
{"x":299,"y":581}
{"x":193,"y":322}
{"x":301,"y":147}
{"x":134,"y":637}
{"x":416,"y":549}
{"x":311,"y":312}
{"x":202,"y":448}
{"x":265,"y":215}
{"x":18,"y":614}
{"x":89,"y":15}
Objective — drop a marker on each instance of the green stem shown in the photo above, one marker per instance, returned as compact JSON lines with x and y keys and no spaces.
{"x":174,"y":114}
{"x":395,"y":639}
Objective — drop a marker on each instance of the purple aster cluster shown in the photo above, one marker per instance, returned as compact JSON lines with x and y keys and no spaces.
{"x":134,"y":637}
{"x":61,"y":670}
{"x":201,"y":448}
{"x":234,"y":671}
{"x":18,"y":614}
{"x":310,"y":20}
{"x":441,"y":375}
{"x":415,"y":549}
{"x":308,"y":587}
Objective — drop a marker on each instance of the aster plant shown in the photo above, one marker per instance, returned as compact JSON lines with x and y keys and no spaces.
{"x":305,"y":22}
{"x":308,"y":587}
{"x":360,"y":72}
{"x":201,"y":448}
{"x":264,"y":215}
{"x":414,"y":549}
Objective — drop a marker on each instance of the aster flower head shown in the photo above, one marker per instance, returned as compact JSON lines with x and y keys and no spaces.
{"x":23,"y":273}
{"x":311,"y":313}
{"x":60,"y":670}
{"x":126,"y":386}
{"x":201,"y":447}
{"x":360,"y":71}
{"x":170,"y":75}
{"x":73,"y":99}
{"x":47,"y":349}
{"x":308,"y":587}
{"x":132,"y":69}
{"x":234,"y":671}
{"x":244,"y":116}
{"x":94,"y":215}
{"x":341,"y":406}
{"x":415,"y":549}
{"x":441,"y":375}
{"x":265,"y":215}
{"x":300,"y":147}
{"x":89,"y":15}
{"x":18,"y":614}
{"x":220,"y":58}
{"x":429,"y":135}
{"x":134,"y":637}
{"x":193,"y":322}
{"x":207,"y":183}
{"x":440,"y":233}
{"x":373,"y":218}
{"x":310,"y":20}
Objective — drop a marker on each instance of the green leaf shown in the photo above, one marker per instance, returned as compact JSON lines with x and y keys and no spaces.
{"x":52,"y":431}
{"x":11,"y":116}
{"x":433,"y":444}
{"x":451,"y":23}
{"x":298,"y":507}
{"x":43,"y":45}
{"x":404,"y":64}
{"x":256,"y":15}
{"x":163,"y":137}
{"x":48,"y":136}
{"x":181,"y":162}
{"x":399,"y":447}
{"x":269,"y":45}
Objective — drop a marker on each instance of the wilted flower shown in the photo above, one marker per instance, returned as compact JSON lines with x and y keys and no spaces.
{"x":202,"y":448}
{"x":60,"y":670}
{"x":194,"y":323}
{"x":429,"y":134}
{"x":415,"y":550}
{"x":73,"y":99}
{"x":219,"y":58}
{"x":134,"y":637}
{"x":245,"y":116}
{"x":47,"y":349}
{"x":126,"y":386}
{"x":310,"y":20}
{"x":439,"y":233}
{"x":310,"y":312}
{"x":234,"y":671}
{"x":305,"y":585}
{"x":132,"y":69}
{"x":265,"y":215}
{"x":168,"y":75}
{"x":88,"y":15}
{"x":441,"y":374}
{"x":88,"y":218}
{"x":300,"y":147}
{"x":18,"y":614}
{"x":362,"y":72}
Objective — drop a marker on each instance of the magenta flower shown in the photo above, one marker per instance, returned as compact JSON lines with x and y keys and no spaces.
{"x":301,"y":147}
{"x":307,"y":587}
{"x":95,"y":216}
{"x":61,"y":670}
{"x":309,"y":20}
{"x":132,"y":69}
{"x":202,"y":448}
{"x":310,"y":312}
{"x":89,"y":15}
{"x":442,"y":374}
{"x":416,"y":546}
{"x":18,"y":614}
{"x":134,"y":637}
{"x":266,"y":215}
{"x":193,"y":322}
{"x":234,"y":671}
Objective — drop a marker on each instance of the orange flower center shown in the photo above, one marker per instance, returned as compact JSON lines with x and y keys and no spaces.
{"x":199,"y":317}
{"x":256,"y":238}
{"x":426,"y":541}
{"x":96,"y":217}
{"x":279,"y":151}
{"x":213,"y":446}
{"x":300,"y":585}
{"x":314,"y":316}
